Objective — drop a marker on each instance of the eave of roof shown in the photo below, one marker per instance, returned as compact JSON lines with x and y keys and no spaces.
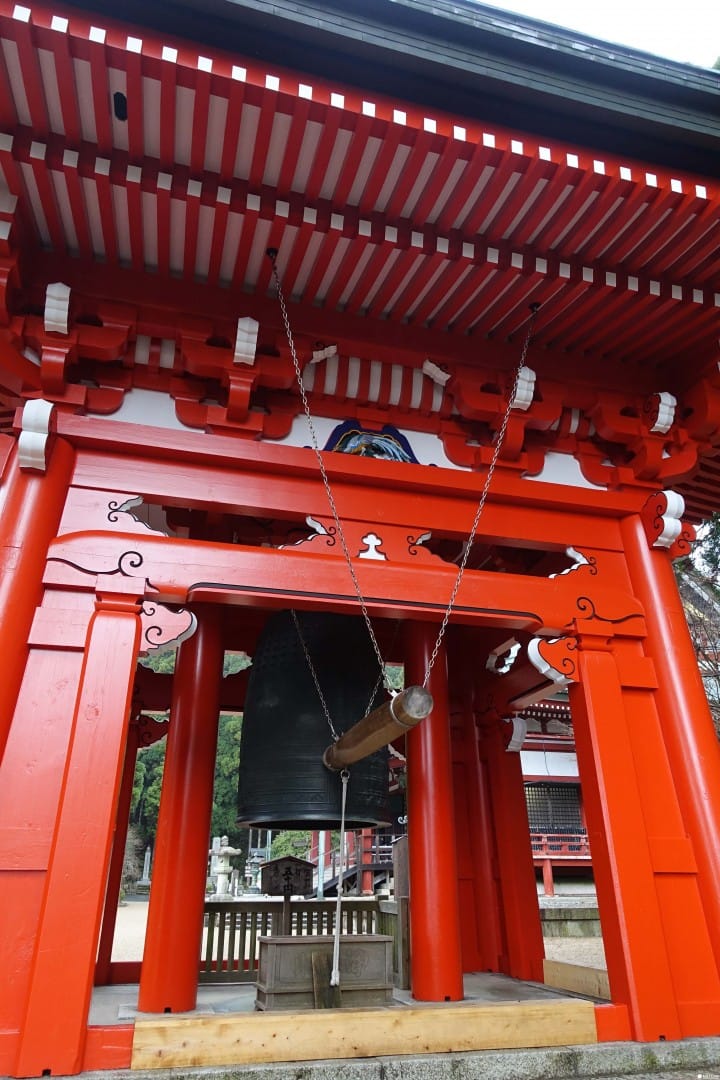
{"x":426,"y":223}
{"x":475,"y":61}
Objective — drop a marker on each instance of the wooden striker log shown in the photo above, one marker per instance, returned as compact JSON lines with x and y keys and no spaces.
{"x":379,"y":727}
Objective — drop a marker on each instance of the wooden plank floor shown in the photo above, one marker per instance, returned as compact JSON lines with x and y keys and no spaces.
{"x":167,"y":1042}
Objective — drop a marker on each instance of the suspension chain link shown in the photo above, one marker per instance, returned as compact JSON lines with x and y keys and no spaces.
{"x":499,"y":440}
{"x":308,"y":659}
{"x":315,"y":679}
{"x":323,"y":472}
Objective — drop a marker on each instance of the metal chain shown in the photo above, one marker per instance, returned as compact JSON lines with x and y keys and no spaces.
{"x":313,"y":672}
{"x":483,"y":496}
{"x":315,"y":679}
{"x":272,"y":255}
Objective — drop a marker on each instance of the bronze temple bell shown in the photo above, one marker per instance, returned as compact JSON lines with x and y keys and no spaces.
{"x":283,"y":783}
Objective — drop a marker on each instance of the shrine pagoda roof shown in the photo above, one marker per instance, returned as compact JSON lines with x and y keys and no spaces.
{"x":474,"y":60}
{"x":425,"y":170}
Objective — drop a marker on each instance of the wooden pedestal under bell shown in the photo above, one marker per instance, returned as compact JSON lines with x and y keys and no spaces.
{"x":285,"y":972}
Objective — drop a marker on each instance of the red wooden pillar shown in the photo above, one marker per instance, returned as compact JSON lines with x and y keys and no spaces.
{"x":366,"y":849}
{"x":632,"y":922}
{"x":548,"y":879}
{"x":168,"y":982}
{"x":55,"y":1025}
{"x":434,"y":911}
{"x":32,"y":506}
{"x":478,"y":893}
{"x":112,"y":893}
{"x":687,"y":727}
{"x":520,"y":911}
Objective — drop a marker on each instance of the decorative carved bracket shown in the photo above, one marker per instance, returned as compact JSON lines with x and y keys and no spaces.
{"x":554,"y":658}
{"x":121,"y":514}
{"x":579,"y":559}
{"x":246,"y":341}
{"x":9,"y":279}
{"x":702,"y":405}
{"x":660,"y":411}
{"x":57,"y":308}
{"x":502,"y":658}
{"x":150,"y":729}
{"x":164,"y":628}
{"x":35,"y":429}
{"x":323,"y":352}
{"x":54,"y":358}
{"x":662,"y":518}
{"x":525,"y":389}
{"x":519,"y":732}
{"x":366,"y":540}
{"x":434,"y":371}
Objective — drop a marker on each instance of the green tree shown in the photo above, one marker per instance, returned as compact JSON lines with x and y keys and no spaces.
{"x":291,"y":842}
{"x":146,"y":790}
{"x":132,"y":858}
{"x":147,"y":785}
{"x":163,"y":663}
{"x":227,"y":763}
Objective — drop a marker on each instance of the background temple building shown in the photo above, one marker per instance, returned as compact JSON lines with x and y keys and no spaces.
{"x":483,"y":253}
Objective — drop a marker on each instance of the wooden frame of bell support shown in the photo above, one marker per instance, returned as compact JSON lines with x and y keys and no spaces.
{"x":143,"y":412}
{"x":389,"y":721}
{"x":351,"y":1033}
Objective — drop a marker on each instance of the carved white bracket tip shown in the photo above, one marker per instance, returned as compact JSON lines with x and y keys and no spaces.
{"x":34,"y":430}
{"x":525,"y":389}
{"x":435,"y":372}
{"x":519,"y":733}
{"x":325,"y":353}
{"x":666,"y":405}
{"x":671,"y":520}
{"x":57,"y":308}
{"x":246,"y":341}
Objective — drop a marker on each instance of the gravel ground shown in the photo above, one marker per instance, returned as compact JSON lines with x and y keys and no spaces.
{"x":132,"y":918}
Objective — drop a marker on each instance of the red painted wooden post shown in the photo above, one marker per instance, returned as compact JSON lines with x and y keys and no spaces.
{"x":168,"y":982}
{"x":520,"y":912}
{"x":686,"y":724}
{"x":548,"y":881}
{"x":31,"y":510}
{"x":366,"y":850}
{"x":434,"y":911}
{"x":31,"y":778}
{"x":478,"y":890}
{"x":633,"y":933}
{"x":54,"y":1031}
{"x":112,"y":894}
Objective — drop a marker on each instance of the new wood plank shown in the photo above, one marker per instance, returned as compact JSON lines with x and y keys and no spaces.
{"x":349,"y":1033}
{"x":591,"y":981}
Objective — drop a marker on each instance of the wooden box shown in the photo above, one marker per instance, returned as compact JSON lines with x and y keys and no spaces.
{"x":285,"y":972}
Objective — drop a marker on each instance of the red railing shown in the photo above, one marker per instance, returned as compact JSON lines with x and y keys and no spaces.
{"x":558,"y":849}
{"x":560,"y":846}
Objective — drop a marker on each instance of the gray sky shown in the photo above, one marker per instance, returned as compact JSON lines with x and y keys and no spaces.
{"x":687,"y":31}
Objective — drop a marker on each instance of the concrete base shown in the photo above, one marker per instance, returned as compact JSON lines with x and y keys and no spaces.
{"x":570,"y":921}
{"x":686,"y":1060}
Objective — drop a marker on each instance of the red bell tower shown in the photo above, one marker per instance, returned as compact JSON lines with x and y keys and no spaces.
{"x":157,"y":484}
